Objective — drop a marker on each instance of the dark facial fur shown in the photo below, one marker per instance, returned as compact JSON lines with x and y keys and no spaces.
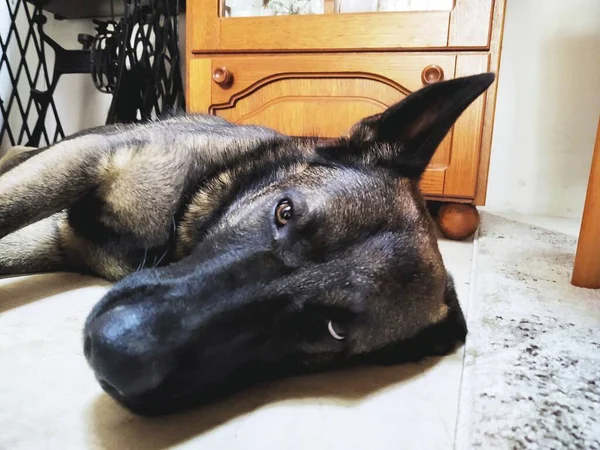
{"x":260,"y":255}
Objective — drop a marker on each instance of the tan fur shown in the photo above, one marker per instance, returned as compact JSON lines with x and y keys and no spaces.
{"x":128,"y":181}
{"x":206,"y":200}
{"x":34,"y":248}
{"x":137,"y":173}
{"x":65,"y":164}
{"x":202,"y":205}
{"x":14,"y":152}
{"x":85,"y":254}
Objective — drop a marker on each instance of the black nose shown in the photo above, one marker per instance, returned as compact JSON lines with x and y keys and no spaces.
{"x":123,"y":354}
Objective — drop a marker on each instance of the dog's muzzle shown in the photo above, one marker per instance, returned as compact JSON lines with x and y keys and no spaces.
{"x":185,"y":326}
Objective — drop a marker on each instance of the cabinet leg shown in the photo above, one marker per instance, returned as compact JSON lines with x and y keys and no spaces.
{"x":457,"y":221}
{"x":586,"y":272}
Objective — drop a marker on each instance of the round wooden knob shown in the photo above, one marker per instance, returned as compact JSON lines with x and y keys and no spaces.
{"x":222,"y":76}
{"x":432,"y":74}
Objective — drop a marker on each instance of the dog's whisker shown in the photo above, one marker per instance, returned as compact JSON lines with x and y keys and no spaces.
{"x":161,"y":258}
{"x":145,"y":256}
{"x":143,"y":263}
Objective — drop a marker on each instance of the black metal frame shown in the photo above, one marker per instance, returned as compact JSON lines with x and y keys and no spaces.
{"x":34,"y":102}
{"x":136,"y":59}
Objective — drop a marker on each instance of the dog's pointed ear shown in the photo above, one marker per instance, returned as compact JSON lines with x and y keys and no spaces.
{"x":405,"y":136}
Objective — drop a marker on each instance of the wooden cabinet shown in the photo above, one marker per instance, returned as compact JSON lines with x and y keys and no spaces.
{"x":465,"y":23}
{"x":318,"y":74}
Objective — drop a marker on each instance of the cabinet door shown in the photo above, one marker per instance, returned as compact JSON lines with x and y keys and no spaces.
{"x":324,"y":95}
{"x":333,"y":25}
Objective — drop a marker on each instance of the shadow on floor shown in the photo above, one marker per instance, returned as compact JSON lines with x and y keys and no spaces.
{"x":113,"y":427}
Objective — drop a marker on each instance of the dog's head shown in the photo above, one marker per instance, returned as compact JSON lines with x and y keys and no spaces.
{"x":328,"y":258}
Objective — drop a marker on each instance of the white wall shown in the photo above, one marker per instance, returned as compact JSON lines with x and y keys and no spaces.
{"x":547,"y":108}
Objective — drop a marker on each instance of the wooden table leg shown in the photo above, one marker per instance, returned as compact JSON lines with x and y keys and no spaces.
{"x":586,"y":272}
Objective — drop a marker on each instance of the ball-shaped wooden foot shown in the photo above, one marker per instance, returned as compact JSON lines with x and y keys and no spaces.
{"x":458,"y":221}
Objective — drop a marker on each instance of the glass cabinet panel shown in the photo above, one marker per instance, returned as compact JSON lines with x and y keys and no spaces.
{"x":350,"y":6}
{"x":254,"y":8}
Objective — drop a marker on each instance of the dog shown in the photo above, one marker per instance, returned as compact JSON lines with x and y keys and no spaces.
{"x":241,"y":254}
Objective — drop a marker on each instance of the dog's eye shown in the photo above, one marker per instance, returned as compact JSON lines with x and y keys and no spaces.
{"x":283,"y":212}
{"x":336,"y":330}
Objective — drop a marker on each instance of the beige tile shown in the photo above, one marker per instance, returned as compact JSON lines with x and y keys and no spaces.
{"x":458,"y":258}
{"x":565,"y":225}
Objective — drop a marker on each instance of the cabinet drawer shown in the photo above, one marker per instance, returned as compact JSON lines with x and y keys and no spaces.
{"x":325,"y":94}
{"x":465,"y":24}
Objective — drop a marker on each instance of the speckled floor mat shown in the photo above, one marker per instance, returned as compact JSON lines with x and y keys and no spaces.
{"x":532,"y":366}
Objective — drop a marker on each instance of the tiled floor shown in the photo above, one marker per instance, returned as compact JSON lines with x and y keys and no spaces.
{"x":50,"y":400}
{"x":562,"y":224}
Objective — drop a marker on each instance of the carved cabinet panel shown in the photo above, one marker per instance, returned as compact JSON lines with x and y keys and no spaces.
{"x":325,"y":94}
{"x":316,"y":67}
